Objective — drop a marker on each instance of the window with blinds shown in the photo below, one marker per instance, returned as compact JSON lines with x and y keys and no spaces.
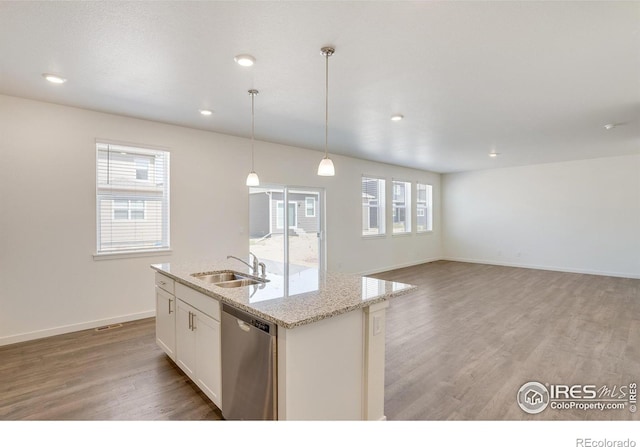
{"x":132,"y":199}
{"x":373,"y":191}
{"x":423,"y":208}
{"x":401,"y":207}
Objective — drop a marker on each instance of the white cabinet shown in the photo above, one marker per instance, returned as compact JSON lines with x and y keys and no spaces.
{"x":186,"y":337}
{"x":198,"y":341}
{"x":208,"y":355}
{"x":165,"y":315}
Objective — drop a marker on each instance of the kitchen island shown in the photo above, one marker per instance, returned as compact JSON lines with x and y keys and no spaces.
{"x":330,"y":334}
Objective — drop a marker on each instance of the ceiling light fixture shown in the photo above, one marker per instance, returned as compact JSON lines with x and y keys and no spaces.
{"x":205,"y":112}
{"x":397,"y":117}
{"x":54,"y":79}
{"x":252,"y":178}
{"x":493,"y":154}
{"x":246,"y":60}
{"x":609,"y":126}
{"x":326,"y":168}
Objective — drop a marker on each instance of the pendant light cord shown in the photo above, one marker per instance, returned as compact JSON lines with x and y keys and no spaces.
{"x":252,"y":127}
{"x":326,"y":107}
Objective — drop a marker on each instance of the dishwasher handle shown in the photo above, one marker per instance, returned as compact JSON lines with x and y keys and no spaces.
{"x":244,"y":326}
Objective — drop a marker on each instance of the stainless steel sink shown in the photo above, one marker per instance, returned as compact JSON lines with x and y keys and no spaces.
{"x":238,"y":283}
{"x":227,"y":279}
{"x":217,"y":276}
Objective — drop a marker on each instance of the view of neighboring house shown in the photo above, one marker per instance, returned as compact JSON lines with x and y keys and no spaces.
{"x":267,"y":216}
{"x":132,"y":198}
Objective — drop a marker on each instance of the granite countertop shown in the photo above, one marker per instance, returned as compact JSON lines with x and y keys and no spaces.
{"x":301,"y":297}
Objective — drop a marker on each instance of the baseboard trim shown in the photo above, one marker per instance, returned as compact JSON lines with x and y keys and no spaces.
{"x":399,"y":266}
{"x":541,"y":267}
{"x":27,"y":336}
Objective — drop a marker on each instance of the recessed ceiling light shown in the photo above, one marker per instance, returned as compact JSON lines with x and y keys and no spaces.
{"x":205,"y":112}
{"x":246,"y":60}
{"x":54,"y":79}
{"x":493,"y":154}
{"x":609,"y":126}
{"x":397,"y":117}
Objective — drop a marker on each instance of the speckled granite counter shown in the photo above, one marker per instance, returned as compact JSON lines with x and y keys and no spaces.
{"x":289,"y":300}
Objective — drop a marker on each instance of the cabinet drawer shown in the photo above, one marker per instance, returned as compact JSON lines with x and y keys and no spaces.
{"x":200,"y":301}
{"x":166,"y":283}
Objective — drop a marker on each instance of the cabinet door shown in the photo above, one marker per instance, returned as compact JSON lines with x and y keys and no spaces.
{"x":209,"y":371}
{"x":166,"y":322}
{"x":186,"y":339}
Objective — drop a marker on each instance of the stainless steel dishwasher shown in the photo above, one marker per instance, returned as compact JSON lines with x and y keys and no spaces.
{"x":249,"y":369}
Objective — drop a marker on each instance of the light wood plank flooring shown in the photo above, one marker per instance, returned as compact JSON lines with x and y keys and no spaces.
{"x":458,"y":348}
{"x":462,"y":345}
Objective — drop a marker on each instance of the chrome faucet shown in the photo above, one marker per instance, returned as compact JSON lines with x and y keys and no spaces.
{"x":256,"y":264}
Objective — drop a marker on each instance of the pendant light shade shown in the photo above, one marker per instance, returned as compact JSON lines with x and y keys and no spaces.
{"x":252,"y":178}
{"x":326,"y":165}
{"x":326,"y":168}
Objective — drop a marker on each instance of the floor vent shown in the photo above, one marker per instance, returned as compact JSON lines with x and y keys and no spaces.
{"x":109,"y":327}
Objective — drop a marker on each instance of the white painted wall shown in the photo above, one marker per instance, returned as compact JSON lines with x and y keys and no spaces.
{"x":347,"y":250}
{"x":580,"y":216}
{"x":49,"y":281}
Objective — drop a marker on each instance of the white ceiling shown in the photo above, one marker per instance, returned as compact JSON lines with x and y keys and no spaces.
{"x":534,"y":81}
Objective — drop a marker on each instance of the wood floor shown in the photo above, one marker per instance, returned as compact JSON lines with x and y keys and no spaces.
{"x":119,"y":374}
{"x":462,"y":344}
{"x":459,"y":348}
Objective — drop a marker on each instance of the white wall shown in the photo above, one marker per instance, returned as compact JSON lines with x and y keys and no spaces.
{"x":580,"y":216}
{"x":347,"y":250}
{"x":49,"y":281}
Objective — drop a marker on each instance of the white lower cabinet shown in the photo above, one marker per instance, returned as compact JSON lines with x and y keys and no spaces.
{"x":198,"y":341}
{"x":165,"y":317}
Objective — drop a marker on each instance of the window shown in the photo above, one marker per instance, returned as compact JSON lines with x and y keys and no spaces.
{"x":401,"y":207}
{"x":310,"y":207}
{"x":373,"y":206}
{"x":423,"y":208}
{"x":128,"y":209}
{"x":132,"y":199}
{"x":142,"y":169}
{"x":293,"y":215}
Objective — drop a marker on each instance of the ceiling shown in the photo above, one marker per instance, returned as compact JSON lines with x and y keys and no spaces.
{"x":534,"y":81}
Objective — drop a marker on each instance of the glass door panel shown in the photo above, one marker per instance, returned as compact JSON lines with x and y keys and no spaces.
{"x":305,"y":236}
{"x":266,"y":226}
{"x":293,"y":251}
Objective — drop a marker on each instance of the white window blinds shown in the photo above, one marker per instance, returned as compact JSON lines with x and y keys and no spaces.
{"x":132,"y":199}
{"x":372,"y":206}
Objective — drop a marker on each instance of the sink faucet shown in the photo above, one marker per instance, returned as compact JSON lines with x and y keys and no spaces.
{"x":256,"y":264}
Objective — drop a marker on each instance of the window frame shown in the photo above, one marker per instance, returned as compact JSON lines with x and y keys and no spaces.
{"x":136,"y":192}
{"x":129,"y":208}
{"x":407,"y":207}
{"x":306,"y":206}
{"x":380,"y":205}
{"x":427,"y":208}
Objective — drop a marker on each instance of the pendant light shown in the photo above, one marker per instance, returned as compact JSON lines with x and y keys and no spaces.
{"x":252,"y":178}
{"x":326,"y":165}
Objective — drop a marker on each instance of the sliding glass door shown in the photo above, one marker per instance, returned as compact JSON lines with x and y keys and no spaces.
{"x":290,"y":241}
